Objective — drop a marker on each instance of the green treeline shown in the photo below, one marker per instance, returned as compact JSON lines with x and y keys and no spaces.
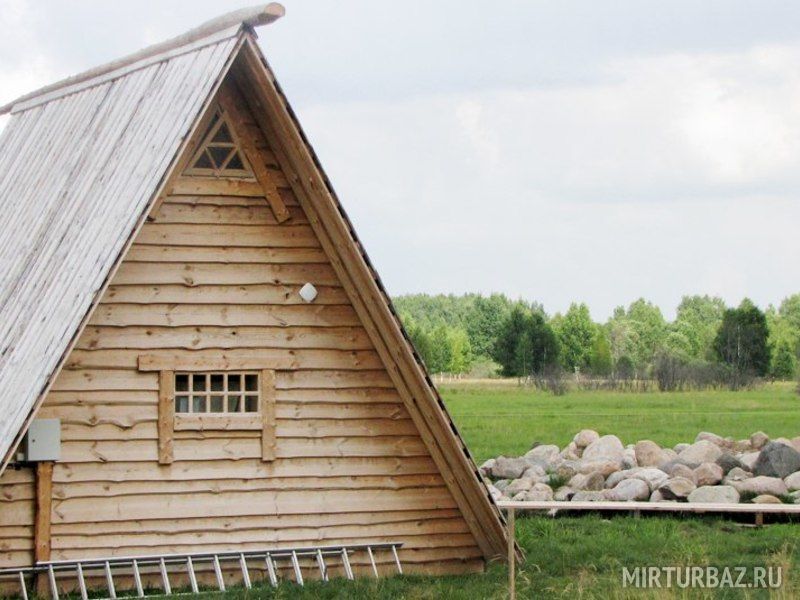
{"x":707,"y":343}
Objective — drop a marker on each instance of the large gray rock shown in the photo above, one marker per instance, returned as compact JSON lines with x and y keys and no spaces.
{"x":502,"y":484}
{"x":715,"y":494}
{"x":654,"y":478}
{"x":587,"y":496}
{"x":509,"y":468}
{"x":676,"y":488}
{"x":585,"y":437}
{"x":678,"y":469}
{"x":758,"y":440}
{"x":564,"y":493}
{"x":594,"y":482}
{"x":540,"y":492}
{"x":618,"y":476}
{"x":761,"y":485}
{"x":777,"y":460}
{"x":534,"y":472}
{"x":486,"y":468}
{"x":629,"y":459}
{"x":737,"y":474}
{"x":523,"y":484}
{"x":748,"y":459}
{"x":792,"y":481}
{"x":766,"y":499}
{"x":708,"y":474}
{"x":494,"y":492}
{"x":715,"y":439}
{"x":545,"y":452}
{"x":570,"y":452}
{"x":648,"y":453}
{"x":728,"y":461}
{"x":608,"y":447}
{"x":603,"y":466}
{"x":699,"y":453}
{"x":629,"y":490}
{"x":678,"y":448}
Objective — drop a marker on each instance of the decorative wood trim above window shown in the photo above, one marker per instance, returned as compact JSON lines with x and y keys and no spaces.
{"x":221,"y":394}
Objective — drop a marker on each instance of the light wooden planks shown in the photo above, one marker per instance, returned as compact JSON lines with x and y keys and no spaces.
{"x":268,"y":433}
{"x":166,"y":418}
{"x":238,"y":294}
{"x":287,"y":236}
{"x":222,"y":254}
{"x":260,"y":214}
{"x":199,"y":338}
{"x":194,"y":274}
{"x":181,"y":315}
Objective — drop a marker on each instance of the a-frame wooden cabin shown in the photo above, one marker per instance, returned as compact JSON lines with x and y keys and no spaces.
{"x":160,"y":216}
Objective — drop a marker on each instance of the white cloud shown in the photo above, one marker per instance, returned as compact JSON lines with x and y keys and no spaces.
{"x":676,"y":174}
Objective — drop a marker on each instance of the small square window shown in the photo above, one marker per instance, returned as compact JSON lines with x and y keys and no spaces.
{"x":218,"y":393}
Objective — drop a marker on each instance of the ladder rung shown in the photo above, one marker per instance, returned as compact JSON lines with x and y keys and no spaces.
{"x":137,"y":579}
{"x":112,"y":592}
{"x":348,"y":571}
{"x":218,"y":573}
{"x":51,"y":575}
{"x":82,"y":582}
{"x":397,"y":559}
{"x":192,"y":577}
{"x":372,"y":561}
{"x":22,"y":587}
{"x":245,"y":573}
{"x":165,"y":576}
{"x":273,"y":578}
{"x":298,"y":576}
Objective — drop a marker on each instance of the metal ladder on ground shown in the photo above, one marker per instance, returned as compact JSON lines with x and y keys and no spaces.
{"x":160,"y":565}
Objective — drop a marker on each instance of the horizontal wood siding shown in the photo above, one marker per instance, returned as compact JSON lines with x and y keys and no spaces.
{"x":212,"y":276}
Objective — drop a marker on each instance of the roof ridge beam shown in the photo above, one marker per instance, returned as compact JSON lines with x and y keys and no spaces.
{"x":253,"y":16}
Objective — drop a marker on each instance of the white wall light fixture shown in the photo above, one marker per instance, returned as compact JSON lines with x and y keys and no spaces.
{"x":308,"y":292}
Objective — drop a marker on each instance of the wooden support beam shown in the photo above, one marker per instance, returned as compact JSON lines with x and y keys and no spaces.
{"x":268,"y":440}
{"x":44,"y":510}
{"x":166,"y":417}
{"x":232,"y":107}
{"x":512,"y":563}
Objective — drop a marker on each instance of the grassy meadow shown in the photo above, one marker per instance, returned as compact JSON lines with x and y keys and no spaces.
{"x":507,"y":419}
{"x":582,"y":556}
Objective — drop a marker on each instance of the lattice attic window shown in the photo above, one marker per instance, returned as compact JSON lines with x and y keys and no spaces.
{"x":219,"y":154}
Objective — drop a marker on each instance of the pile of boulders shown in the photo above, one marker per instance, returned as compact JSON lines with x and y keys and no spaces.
{"x":601,"y":468}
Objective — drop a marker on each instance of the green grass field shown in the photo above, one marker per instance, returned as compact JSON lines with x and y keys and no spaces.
{"x":582,"y":557}
{"x":508,"y":419}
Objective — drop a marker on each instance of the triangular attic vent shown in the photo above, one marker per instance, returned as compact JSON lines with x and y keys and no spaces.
{"x":219,"y":154}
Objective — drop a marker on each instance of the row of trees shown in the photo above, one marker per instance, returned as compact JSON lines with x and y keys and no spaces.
{"x":707,"y":342}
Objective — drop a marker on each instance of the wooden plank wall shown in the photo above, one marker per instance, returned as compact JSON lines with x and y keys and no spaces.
{"x":212,"y":270}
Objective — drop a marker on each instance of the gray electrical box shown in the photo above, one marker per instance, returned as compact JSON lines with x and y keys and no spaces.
{"x":43,"y":441}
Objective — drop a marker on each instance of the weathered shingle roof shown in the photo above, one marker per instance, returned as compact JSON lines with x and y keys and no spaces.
{"x":79,"y":163}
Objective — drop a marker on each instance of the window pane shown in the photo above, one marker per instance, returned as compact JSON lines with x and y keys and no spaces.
{"x":251,"y":404}
{"x":182,"y":383}
{"x":217,"y":382}
{"x":217,"y":404}
{"x":182,"y":404}
{"x":235,"y":163}
{"x":235,"y":383}
{"x":251,"y":383}
{"x":234,"y":403}
{"x":199,"y":404}
{"x":223,"y":135}
{"x":218,"y":154}
{"x":203,"y":162}
{"x":199,"y":382}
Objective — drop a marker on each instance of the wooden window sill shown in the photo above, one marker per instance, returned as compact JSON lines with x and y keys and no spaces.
{"x":218,"y":422}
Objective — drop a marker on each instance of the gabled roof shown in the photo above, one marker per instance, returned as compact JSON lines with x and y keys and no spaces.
{"x":81,"y":164}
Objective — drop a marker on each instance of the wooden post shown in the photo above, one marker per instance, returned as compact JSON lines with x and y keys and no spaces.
{"x":512,"y":590}
{"x":41,"y":526}
{"x":166,"y":416}
{"x":44,"y":508}
{"x":268,"y":415}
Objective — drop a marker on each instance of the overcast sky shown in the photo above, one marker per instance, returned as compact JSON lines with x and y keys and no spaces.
{"x":558,"y":151}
